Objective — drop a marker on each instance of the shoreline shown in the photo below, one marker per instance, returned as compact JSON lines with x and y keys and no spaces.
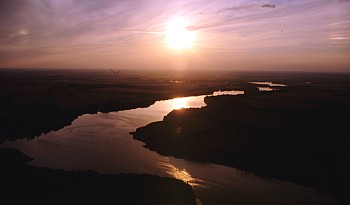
{"x":23,"y":184}
{"x":270,"y":134}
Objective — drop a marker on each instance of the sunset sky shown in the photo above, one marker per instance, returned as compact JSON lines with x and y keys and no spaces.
{"x":311,"y":35}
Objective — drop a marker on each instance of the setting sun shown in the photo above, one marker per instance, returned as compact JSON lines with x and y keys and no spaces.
{"x":178,"y":36}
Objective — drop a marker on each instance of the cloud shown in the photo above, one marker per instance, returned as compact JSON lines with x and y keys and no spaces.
{"x":109,"y":30}
{"x":238,"y":8}
{"x":242,"y":7}
{"x":272,"y":6}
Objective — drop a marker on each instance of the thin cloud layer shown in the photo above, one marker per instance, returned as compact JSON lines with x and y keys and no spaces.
{"x":269,"y":6}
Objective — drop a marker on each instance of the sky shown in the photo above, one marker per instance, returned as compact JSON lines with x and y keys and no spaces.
{"x":282,"y":35}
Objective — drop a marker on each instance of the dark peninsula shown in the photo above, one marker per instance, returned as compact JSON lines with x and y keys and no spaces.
{"x":299,"y":133}
{"x":23,"y":184}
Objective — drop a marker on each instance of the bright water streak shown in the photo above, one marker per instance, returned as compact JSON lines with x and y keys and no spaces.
{"x":102,"y":142}
{"x":269,"y":84}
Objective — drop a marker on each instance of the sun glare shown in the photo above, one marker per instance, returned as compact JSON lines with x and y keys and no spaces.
{"x":178,"y":36}
{"x":178,"y":103}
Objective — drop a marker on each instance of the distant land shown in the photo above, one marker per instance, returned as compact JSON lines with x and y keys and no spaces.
{"x":297,"y":133}
{"x":41,"y":100}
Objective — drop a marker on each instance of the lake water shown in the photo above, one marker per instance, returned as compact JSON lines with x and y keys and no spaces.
{"x":266,"y":89}
{"x":271,"y":86}
{"x":102,"y":142}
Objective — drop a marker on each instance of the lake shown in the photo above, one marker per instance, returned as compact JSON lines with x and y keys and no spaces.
{"x":102,"y":142}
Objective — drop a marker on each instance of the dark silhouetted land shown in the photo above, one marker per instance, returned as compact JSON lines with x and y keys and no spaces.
{"x":22,"y":184}
{"x":33,"y":101}
{"x":299,"y":133}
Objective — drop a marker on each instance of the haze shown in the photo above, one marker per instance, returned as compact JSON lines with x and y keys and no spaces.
{"x":308,"y":35}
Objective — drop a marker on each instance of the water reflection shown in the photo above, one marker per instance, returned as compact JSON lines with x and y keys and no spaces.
{"x":269,"y":84}
{"x":93,"y":141}
{"x":178,"y":103}
{"x":102,"y":142}
{"x":231,"y":92}
{"x":195,"y":101}
{"x":181,"y":174}
{"x":166,"y":106}
{"x":266,"y":89}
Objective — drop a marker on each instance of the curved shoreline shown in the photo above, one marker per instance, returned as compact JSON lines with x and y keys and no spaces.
{"x":280,"y":135}
{"x":31,"y":185}
{"x":34,"y":102}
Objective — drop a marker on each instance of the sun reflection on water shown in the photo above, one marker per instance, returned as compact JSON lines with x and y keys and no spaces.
{"x":266,"y":89}
{"x":231,"y":92}
{"x":182,"y":175}
{"x":197,"y":101}
{"x":178,"y":103}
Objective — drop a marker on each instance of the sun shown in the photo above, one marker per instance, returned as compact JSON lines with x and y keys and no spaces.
{"x":178,"y":36}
